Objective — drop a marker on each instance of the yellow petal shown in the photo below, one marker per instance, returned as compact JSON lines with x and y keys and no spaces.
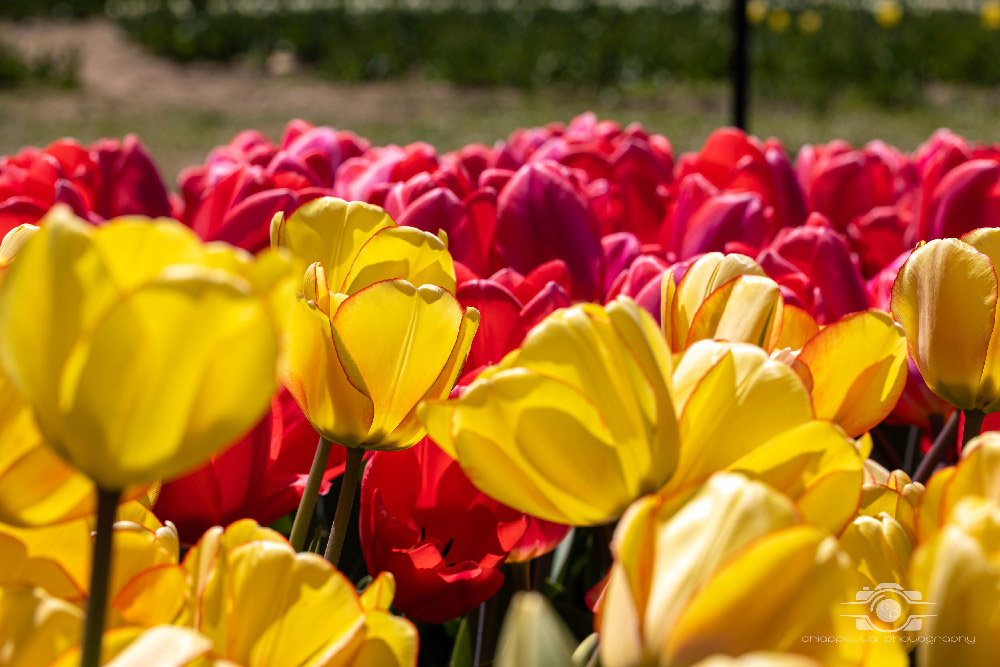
{"x":35,"y":629}
{"x":879,"y":548}
{"x":389,"y":641}
{"x":746,"y":309}
{"x":314,"y":374}
{"x":739,"y":399}
{"x":330,"y":231}
{"x":977,"y":474}
{"x":56,"y":558}
{"x":797,"y":327}
{"x":398,"y":339}
{"x":858,"y":366}
{"x":401,"y":253}
{"x":281,"y":609}
{"x":711,"y":271}
{"x":945,"y":297}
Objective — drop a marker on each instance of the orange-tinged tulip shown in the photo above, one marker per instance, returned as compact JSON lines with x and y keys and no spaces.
{"x":574,"y":425}
{"x":140,"y":349}
{"x":317,"y":619}
{"x":858,"y":370}
{"x":725,"y":297}
{"x":959,"y":571}
{"x":945,"y":296}
{"x":377,"y":327}
{"x":976,"y":474}
{"x":892,"y":493}
{"x":732,"y":570}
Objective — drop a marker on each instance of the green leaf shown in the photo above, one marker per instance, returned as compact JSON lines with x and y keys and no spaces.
{"x":461,"y":653}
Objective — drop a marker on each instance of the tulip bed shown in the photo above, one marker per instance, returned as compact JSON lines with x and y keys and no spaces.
{"x":571,"y":399}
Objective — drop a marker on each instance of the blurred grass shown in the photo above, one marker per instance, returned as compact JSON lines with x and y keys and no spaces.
{"x":686,"y":114}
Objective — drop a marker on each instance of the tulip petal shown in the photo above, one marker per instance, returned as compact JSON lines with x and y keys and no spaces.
{"x":746,"y":309}
{"x":398,"y":338}
{"x":858,"y":366}
{"x":400,"y":253}
{"x":707,"y":274}
{"x":797,"y":327}
{"x":945,"y":296}
{"x":329,"y":231}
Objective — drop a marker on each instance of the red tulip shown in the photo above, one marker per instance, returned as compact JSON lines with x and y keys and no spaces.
{"x":879,"y":236}
{"x":369,"y":176}
{"x":440,"y":537}
{"x":843,"y":183}
{"x":814,"y":262}
{"x":966,"y":198}
{"x":732,"y":161}
{"x":110,"y":178}
{"x":260,"y":477}
{"x":543,"y":214}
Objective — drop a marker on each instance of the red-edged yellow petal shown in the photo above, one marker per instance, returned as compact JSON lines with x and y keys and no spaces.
{"x":797,"y":327}
{"x":280,"y":609}
{"x":329,"y":231}
{"x":816,"y":465}
{"x":398,"y":338}
{"x":314,"y":374}
{"x":707,"y":274}
{"x":746,"y":309}
{"x":56,"y":558}
{"x":945,"y":296}
{"x":401,"y":253}
{"x":736,"y":404}
{"x":858,"y":367}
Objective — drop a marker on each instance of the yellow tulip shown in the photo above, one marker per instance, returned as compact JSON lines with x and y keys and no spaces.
{"x":377,"y":327}
{"x":11,"y":245}
{"x":35,"y":628}
{"x":140,"y":349}
{"x":976,"y":474}
{"x":945,"y":296}
{"x":587,"y":416}
{"x":958,"y":570}
{"x":162,"y":646}
{"x":857,"y":367}
{"x":733,"y":570}
{"x":574,"y":425}
{"x":261,"y":604}
{"x":879,"y":548}
{"x":533,"y":635}
{"x":892,"y":493}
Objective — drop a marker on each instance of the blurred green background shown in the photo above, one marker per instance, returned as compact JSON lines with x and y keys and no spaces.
{"x":187,"y":74}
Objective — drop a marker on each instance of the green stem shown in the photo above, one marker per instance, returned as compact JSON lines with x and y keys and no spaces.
{"x":303,"y":515}
{"x":100,"y":570}
{"x":349,"y":483}
{"x":973,"y":425}
{"x":945,"y":439}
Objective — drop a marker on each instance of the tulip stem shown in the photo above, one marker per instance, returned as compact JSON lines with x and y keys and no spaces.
{"x":100,"y":570}
{"x":520,"y":573}
{"x":973,"y":425}
{"x":945,"y":439}
{"x":349,"y":484}
{"x":303,"y":515}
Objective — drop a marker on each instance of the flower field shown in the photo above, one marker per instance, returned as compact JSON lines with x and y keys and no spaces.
{"x":575,"y":398}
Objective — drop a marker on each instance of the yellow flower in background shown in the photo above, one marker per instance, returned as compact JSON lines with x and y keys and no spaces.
{"x":574,"y":425}
{"x":779,"y":20}
{"x":857,"y":370}
{"x":990,"y":14}
{"x":757,"y":11}
{"x":377,"y":327}
{"x":733,"y":570}
{"x":35,"y":627}
{"x":11,"y":245}
{"x":140,"y":349}
{"x":958,"y":570}
{"x":810,"y":22}
{"x":945,"y":296}
{"x":880,"y":549}
{"x":888,"y":13}
{"x":977,"y":473}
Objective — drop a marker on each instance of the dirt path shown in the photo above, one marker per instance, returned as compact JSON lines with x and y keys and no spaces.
{"x":115,"y":69}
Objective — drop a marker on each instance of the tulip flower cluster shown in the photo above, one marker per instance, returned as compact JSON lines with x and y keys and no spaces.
{"x":716,"y":408}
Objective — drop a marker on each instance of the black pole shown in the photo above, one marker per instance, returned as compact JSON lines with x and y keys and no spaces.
{"x":741,"y":63}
